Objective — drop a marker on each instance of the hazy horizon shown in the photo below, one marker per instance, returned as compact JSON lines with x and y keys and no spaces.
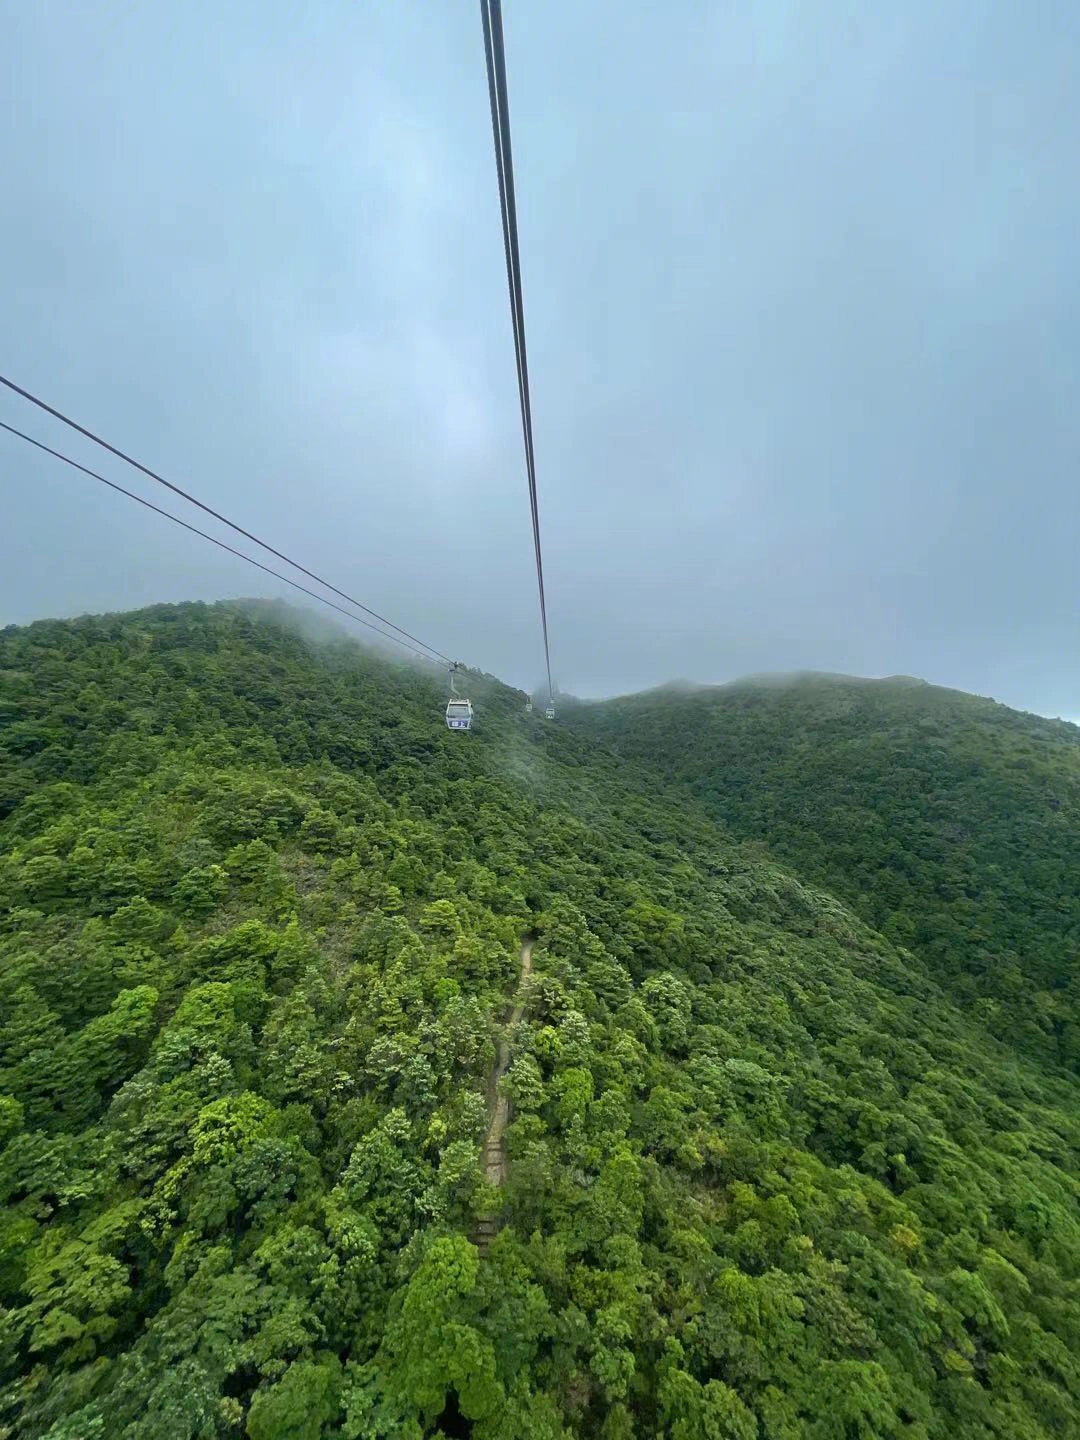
{"x":538,"y":688}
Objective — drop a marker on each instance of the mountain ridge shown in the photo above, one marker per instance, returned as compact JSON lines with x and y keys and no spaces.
{"x":783,"y":679}
{"x":261,"y":920}
{"x":938,"y":815}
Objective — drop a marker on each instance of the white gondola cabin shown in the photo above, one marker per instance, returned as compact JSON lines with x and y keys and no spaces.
{"x":458,"y":714}
{"x":550,"y":711}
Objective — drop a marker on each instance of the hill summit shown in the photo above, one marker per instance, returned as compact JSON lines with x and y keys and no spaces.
{"x":948,"y":822}
{"x":361,"y":1079}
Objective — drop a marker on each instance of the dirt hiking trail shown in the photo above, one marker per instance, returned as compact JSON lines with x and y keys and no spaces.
{"x":495,"y":1162}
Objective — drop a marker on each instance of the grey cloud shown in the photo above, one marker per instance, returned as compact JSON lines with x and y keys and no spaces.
{"x":802,"y":302}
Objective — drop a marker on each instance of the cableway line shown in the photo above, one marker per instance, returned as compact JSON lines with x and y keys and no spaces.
{"x":176,"y":489}
{"x":221,"y":544}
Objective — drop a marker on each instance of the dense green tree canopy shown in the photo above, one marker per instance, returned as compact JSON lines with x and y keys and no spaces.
{"x":948,"y":822}
{"x":261,"y":924}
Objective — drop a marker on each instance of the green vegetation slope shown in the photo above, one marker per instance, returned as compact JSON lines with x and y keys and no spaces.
{"x":948,"y":822}
{"x":260,"y":925}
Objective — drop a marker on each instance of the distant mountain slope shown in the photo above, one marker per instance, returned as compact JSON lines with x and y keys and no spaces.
{"x":949,"y":822}
{"x":263,"y":936}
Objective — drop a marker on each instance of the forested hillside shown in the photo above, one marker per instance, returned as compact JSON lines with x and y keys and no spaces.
{"x":261,"y":932}
{"x":948,"y":822}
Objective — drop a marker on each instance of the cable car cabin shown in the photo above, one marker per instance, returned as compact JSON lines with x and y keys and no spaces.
{"x":458,"y":714}
{"x":550,"y":712}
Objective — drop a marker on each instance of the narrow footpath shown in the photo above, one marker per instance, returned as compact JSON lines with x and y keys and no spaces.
{"x":495,"y":1161}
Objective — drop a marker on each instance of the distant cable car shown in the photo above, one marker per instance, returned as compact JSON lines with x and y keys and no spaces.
{"x":550,"y":711}
{"x":528,"y":707}
{"x":458,"y":709}
{"x":458,"y":714}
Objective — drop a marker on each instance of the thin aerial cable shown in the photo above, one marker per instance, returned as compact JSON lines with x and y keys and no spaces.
{"x":512,"y":280}
{"x":496,"y":130}
{"x":508,"y":197}
{"x":67,"y":460}
{"x":495,"y":52}
{"x":495,"y":56}
{"x":138,"y":465}
{"x":503,"y":162}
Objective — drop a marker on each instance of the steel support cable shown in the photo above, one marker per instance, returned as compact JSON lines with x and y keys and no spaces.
{"x":509,"y":201}
{"x":504,"y":152}
{"x":138,"y":465}
{"x":67,"y":460}
{"x":495,"y":56}
{"x":497,"y":134}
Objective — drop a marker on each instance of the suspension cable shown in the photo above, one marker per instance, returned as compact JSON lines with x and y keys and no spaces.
{"x":495,"y":56}
{"x":67,"y":460}
{"x":138,"y":465}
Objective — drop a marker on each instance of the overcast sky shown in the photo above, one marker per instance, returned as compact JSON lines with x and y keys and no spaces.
{"x":802,"y":298}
